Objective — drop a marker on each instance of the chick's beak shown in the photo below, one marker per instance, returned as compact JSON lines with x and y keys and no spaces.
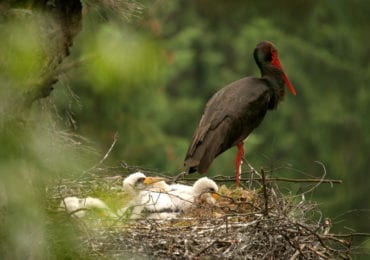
{"x":215,"y":196}
{"x":151,"y":180}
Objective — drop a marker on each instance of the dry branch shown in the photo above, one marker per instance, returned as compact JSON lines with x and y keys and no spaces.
{"x":273,"y":179}
{"x":264,"y":188}
{"x":115,"y":139}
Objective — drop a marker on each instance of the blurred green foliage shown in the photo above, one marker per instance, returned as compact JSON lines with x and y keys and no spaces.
{"x":149,"y":78}
{"x":33,"y":148}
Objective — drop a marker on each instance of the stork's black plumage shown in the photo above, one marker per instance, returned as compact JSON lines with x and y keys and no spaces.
{"x":237,"y":109}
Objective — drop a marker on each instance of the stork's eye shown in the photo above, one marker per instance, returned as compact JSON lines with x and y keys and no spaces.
{"x":272,"y":55}
{"x":268,"y":57}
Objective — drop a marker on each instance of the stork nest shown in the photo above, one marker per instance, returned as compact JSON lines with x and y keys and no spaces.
{"x":245,"y":224}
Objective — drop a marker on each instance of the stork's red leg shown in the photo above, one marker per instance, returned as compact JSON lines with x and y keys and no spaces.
{"x":238,"y":163}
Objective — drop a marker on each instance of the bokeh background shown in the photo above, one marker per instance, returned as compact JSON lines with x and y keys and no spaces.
{"x":148,"y":76}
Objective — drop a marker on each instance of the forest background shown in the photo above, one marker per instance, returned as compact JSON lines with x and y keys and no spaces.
{"x":148,"y":76}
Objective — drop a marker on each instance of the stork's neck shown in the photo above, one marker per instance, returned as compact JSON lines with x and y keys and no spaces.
{"x":274,"y":78}
{"x":130,"y":189}
{"x":197,"y":190}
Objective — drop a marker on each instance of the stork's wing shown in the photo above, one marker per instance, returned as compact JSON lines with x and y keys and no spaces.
{"x":229,"y":117}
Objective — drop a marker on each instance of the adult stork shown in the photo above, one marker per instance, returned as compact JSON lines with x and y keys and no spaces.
{"x":236,"y":110}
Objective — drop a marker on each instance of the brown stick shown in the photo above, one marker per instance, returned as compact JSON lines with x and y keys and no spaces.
{"x":310,"y":180}
{"x":305,"y":180}
{"x":115,"y":139}
{"x":264,"y":191}
{"x":358,"y":234}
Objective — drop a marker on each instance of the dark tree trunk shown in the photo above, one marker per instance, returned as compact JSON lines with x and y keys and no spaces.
{"x":60,"y":22}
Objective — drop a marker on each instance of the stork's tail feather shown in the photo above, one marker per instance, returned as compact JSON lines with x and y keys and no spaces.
{"x":192,"y":170}
{"x":196,"y":166}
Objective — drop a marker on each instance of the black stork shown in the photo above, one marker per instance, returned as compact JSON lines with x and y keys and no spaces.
{"x":236,"y":110}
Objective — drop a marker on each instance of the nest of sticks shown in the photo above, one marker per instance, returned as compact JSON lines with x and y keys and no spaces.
{"x":260,"y":223}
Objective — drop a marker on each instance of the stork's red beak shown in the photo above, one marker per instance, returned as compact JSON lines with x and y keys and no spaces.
{"x":288,"y":84}
{"x":276,"y":63}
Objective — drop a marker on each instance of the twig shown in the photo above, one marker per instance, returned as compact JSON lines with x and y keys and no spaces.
{"x":333,"y":238}
{"x":231,"y":225}
{"x":298,"y":249}
{"x":178,"y":176}
{"x":115,"y":139}
{"x":323,"y":256}
{"x":357,"y":234}
{"x":227,"y":224}
{"x":350,"y":212}
{"x":186,"y":246}
{"x":318,"y":183}
{"x":270,"y":179}
{"x":266,"y":213}
{"x":205,"y":248}
{"x":253,"y":170}
{"x":298,"y":252}
{"x":330,"y":181}
{"x":319,"y":238}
